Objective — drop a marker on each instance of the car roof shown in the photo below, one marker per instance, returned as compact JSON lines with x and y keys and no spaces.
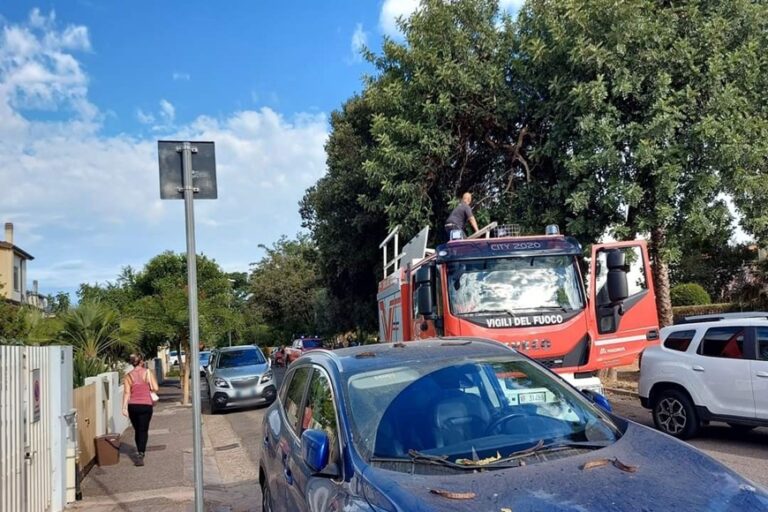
{"x":722,"y":317}
{"x":237,"y":347}
{"x":385,"y":355}
{"x":747,"y":321}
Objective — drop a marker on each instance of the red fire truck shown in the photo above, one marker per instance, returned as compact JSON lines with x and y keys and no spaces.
{"x":526,"y":291}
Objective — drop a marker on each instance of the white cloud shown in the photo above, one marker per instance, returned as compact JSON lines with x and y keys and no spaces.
{"x":177,"y":75}
{"x":145,"y":117}
{"x":511,"y":5}
{"x":86,"y":203}
{"x":391,"y":10}
{"x":167,"y":111}
{"x":37,"y":70}
{"x":359,"y":42}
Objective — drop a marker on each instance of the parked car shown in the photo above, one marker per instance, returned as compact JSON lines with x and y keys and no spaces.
{"x":239,"y":376}
{"x":469,"y":425}
{"x":278,"y":356}
{"x":205,"y":358}
{"x":173,"y":357}
{"x":300,"y":347}
{"x":708,"y":370}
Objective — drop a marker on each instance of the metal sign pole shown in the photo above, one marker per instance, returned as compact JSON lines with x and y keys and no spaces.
{"x":194,"y":332}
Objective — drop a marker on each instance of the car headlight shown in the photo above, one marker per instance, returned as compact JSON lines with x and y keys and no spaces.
{"x":220,"y":383}
{"x":266,"y":377}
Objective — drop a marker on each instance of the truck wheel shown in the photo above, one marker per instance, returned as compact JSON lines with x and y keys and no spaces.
{"x":674,"y":414}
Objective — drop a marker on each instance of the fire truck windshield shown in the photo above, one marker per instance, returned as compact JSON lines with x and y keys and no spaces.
{"x":508,"y":285}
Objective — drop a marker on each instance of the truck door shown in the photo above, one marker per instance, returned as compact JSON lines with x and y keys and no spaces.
{"x":390,"y":310}
{"x":622,"y":303}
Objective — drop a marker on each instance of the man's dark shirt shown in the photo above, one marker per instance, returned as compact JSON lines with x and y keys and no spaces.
{"x":460,"y":216}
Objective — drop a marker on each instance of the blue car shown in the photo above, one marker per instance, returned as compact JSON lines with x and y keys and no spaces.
{"x":470,"y":425}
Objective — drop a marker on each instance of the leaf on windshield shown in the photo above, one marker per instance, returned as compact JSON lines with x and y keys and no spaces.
{"x":598,"y":463}
{"x":479,"y":462}
{"x":453,"y":495}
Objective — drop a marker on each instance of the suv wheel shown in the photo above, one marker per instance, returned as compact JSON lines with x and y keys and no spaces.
{"x":674,"y":414}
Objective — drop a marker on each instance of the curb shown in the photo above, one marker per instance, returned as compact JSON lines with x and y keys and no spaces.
{"x":623,"y":392}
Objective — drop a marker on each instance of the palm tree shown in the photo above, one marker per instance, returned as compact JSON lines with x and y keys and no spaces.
{"x":97,"y":332}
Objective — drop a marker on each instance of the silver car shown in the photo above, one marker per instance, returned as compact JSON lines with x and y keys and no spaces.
{"x":239,"y":376}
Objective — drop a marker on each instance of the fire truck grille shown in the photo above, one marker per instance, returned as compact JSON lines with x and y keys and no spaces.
{"x":551,"y":363}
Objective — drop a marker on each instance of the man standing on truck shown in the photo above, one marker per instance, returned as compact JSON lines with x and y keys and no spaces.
{"x":454,"y":225}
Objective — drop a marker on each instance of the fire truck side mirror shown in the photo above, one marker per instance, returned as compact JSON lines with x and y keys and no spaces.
{"x":425,"y":304}
{"x":618,"y":288}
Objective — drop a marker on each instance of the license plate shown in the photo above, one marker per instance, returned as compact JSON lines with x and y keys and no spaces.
{"x":532,"y":398}
{"x":245,"y":393}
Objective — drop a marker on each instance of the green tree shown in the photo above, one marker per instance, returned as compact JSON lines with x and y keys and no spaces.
{"x":162,"y":305}
{"x":283,"y":285}
{"x":119,"y":294}
{"x":99,"y":337}
{"x":343,"y":213}
{"x":446,"y":115}
{"x":650,"y":110}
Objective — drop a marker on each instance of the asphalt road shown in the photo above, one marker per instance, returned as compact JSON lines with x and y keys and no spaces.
{"x":747,"y":454}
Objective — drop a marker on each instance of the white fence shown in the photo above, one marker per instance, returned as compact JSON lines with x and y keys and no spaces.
{"x":109,"y":408}
{"x":36,"y":433}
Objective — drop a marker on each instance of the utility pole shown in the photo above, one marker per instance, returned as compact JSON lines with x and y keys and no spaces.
{"x":179,"y":181}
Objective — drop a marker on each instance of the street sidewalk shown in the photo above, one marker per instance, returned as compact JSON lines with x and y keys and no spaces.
{"x":166,"y":482}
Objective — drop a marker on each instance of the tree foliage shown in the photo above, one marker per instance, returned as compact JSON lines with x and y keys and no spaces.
{"x":689,"y":294}
{"x":284,"y":284}
{"x":656,"y":109}
{"x":634,"y":117}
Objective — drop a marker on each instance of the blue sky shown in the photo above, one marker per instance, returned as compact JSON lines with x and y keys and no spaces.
{"x":88,"y":87}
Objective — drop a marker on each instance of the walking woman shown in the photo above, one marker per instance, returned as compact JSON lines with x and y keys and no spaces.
{"x":139,"y":397}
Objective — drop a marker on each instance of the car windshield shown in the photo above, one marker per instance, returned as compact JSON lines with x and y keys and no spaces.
{"x":236,"y":358}
{"x":468,"y":411}
{"x":312,"y":343}
{"x":514,"y":284}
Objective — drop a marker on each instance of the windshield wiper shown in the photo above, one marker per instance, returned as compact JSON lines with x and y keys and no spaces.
{"x":417,"y":457}
{"x":514,"y":459}
{"x":488,"y":312}
{"x":514,"y":311}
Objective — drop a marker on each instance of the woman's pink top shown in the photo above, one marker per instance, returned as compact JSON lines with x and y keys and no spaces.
{"x":140,"y":392}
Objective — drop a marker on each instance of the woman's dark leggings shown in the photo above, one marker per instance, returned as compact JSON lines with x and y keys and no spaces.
{"x":140,"y":416}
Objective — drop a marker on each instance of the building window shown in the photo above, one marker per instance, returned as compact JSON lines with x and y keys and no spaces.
{"x":16,"y":279}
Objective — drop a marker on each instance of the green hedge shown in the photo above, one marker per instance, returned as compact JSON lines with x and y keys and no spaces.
{"x":706,"y":309}
{"x":689,"y":294}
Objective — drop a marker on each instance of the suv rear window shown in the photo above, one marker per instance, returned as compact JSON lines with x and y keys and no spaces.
{"x":679,"y":340}
{"x":725,"y":342}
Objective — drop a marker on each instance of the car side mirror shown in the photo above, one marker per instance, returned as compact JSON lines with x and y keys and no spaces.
{"x":425,"y":304}
{"x":315,"y":448}
{"x":618,"y":288}
{"x":597,"y":399}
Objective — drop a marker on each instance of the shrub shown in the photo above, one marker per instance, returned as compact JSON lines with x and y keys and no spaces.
{"x":689,"y":294}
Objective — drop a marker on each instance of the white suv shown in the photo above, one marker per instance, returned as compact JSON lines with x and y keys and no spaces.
{"x":708,"y":369}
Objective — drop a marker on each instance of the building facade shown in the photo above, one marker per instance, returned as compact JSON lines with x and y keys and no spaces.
{"x":13,"y":272}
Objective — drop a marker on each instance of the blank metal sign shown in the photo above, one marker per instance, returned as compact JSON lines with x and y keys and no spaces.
{"x":172,"y":174}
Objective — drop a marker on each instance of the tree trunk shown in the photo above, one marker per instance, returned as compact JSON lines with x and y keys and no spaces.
{"x":185,"y":373}
{"x":660,"y":269}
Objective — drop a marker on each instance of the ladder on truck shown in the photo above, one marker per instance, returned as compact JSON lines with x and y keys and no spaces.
{"x":416,"y":249}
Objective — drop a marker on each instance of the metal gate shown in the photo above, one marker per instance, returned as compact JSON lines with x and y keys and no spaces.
{"x":35,"y":398}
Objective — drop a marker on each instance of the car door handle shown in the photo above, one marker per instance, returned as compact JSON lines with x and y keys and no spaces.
{"x":697,"y":368}
{"x":762,"y":374}
{"x":288,"y":476}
